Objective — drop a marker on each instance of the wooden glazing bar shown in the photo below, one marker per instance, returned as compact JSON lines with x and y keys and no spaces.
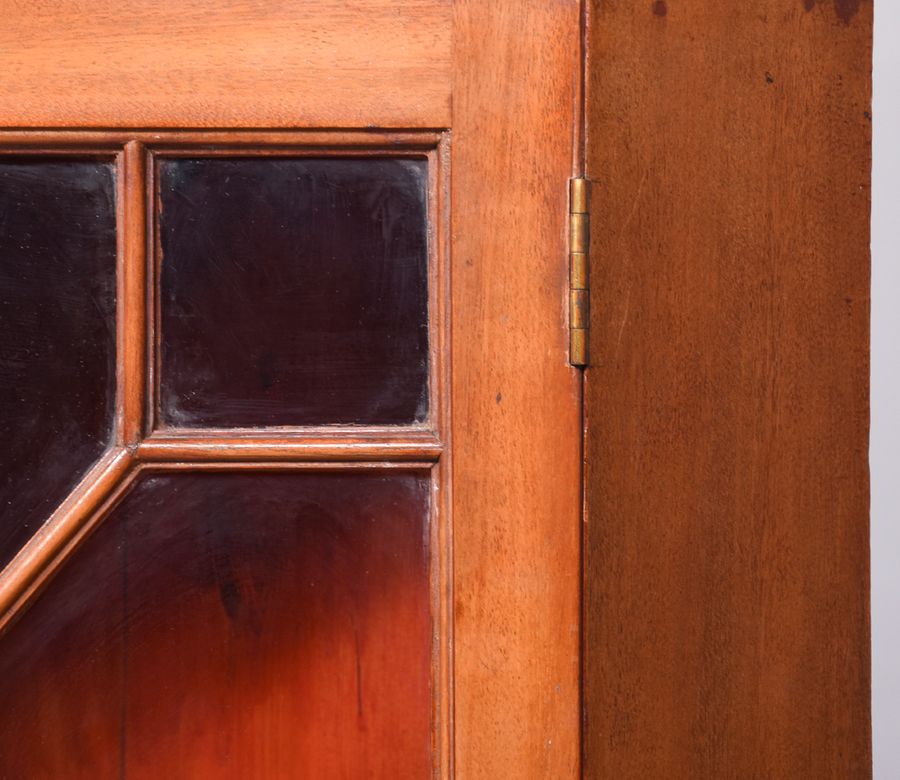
{"x":132,"y":309}
{"x":114,"y":139}
{"x":409,"y":447}
{"x":55,"y":541}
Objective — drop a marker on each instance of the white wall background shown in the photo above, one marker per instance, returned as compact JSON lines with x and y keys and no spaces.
{"x":884,"y":451}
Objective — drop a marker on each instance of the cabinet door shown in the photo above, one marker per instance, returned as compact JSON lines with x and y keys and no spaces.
{"x":292,"y":477}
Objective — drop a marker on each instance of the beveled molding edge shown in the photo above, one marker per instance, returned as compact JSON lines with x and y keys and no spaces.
{"x":57,"y":538}
{"x":104,"y":141}
{"x":229,"y":446}
{"x":102,"y":487}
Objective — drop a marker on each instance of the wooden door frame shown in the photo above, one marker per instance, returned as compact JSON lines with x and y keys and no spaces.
{"x":494,"y":91}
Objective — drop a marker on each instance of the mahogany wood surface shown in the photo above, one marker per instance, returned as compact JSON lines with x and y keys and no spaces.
{"x":350,"y":445}
{"x":515,"y":401}
{"x":237,"y":63}
{"x":186,"y":142}
{"x":132,"y":293}
{"x":727,"y":612}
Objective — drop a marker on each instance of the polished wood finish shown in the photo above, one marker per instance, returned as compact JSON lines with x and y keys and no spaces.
{"x":515,"y":401}
{"x":186,"y":142}
{"x":345,"y":445}
{"x":192,"y":63}
{"x":132,"y":294}
{"x":726,"y":617}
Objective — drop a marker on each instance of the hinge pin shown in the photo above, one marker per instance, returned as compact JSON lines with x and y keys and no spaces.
{"x":579,"y":270}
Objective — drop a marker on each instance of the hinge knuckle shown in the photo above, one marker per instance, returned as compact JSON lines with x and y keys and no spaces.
{"x":579,"y":270}
{"x":579,"y":233}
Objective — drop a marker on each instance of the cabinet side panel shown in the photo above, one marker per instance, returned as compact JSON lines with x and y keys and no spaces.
{"x":727,"y":628}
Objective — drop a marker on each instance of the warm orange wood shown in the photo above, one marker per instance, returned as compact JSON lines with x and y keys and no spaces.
{"x":186,"y":142}
{"x":132,"y":295}
{"x":234,"y":466}
{"x":727,"y":622}
{"x":442,"y":498}
{"x":505,"y":576}
{"x":196,"y":63}
{"x":350,"y":446}
{"x":515,"y":401}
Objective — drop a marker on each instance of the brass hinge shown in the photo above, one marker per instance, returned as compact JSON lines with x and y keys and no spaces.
{"x":579,"y":270}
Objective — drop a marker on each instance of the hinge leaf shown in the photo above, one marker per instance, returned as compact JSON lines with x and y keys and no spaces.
{"x":579,"y":270}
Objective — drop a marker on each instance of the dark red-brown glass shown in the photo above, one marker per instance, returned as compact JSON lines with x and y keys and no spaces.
{"x":57,"y":333}
{"x":232,"y":625}
{"x":293,"y":291}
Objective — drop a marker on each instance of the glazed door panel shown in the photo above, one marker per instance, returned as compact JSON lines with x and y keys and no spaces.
{"x":261,"y":618}
{"x":314,"y":510}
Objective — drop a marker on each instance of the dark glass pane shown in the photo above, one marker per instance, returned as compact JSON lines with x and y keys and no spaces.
{"x":294,"y":291}
{"x":232,"y":625}
{"x":57,"y":333}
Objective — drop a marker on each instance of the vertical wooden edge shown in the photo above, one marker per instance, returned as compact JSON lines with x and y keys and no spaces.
{"x":437,"y":252}
{"x":516,"y":400}
{"x":579,"y":124}
{"x":444,"y":731}
{"x":119,"y":433}
{"x":153,"y":266}
{"x":52,"y":545}
{"x":581,"y":278}
{"x":439,"y":689}
{"x":131,"y":287}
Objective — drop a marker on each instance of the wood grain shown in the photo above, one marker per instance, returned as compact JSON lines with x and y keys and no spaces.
{"x":196,"y":63}
{"x":512,"y":512}
{"x":351,"y":446}
{"x":515,"y":401}
{"x":727,"y":628}
{"x":187,"y":142}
